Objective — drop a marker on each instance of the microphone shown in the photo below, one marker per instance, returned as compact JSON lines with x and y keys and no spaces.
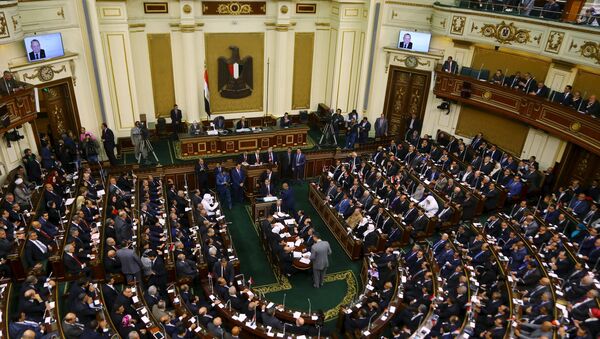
{"x":284,"y":295}
{"x":309,"y":305}
{"x":370,"y":319}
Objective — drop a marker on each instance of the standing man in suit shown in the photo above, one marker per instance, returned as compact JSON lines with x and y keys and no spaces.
{"x":298,"y":165}
{"x":287,"y":160}
{"x":108,"y":140}
{"x":567,"y":96}
{"x":450,"y":66}
{"x":176,"y":117}
{"x":414,"y":124}
{"x":287,"y":199}
{"x":37,"y":53}
{"x":131,"y":265}
{"x":319,"y":255}
{"x":406,"y":43}
{"x":201,"y":175}
{"x":381,"y":126}
{"x":237,"y":182}
{"x":528,"y":84}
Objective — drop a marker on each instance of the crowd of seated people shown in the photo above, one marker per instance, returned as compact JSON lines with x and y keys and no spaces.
{"x":527,"y":83}
{"x":551,"y":9}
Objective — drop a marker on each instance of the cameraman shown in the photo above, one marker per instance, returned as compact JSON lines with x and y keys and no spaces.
{"x":89,"y":147}
{"x":137,"y":140}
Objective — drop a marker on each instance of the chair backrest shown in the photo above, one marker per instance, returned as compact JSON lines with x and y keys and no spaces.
{"x":303,"y":116}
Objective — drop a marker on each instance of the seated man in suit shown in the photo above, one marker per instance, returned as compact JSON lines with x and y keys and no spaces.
{"x":540,"y":91}
{"x":244,"y":158}
{"x":242,"y":123}
{"x":285,"y":121}
{"x":219,"y":123}
{"x":36,"y":252}
{"x":185,"y":267}
{"x":267,"y":189}
{"x":592,"y":107}
{"x":256,"y":158}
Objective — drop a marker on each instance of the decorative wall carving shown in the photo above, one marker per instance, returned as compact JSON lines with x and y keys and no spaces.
{"x":4,"y":33}
{"x":234,"y":7}
{"x":555,"y":40}
{"x":458,"y":24}
{"x":591,"y":50}
{"x":506,"y":33}
{"x":44,"y":73}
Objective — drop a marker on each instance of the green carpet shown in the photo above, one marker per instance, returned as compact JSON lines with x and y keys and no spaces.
{"x":342,"y":282}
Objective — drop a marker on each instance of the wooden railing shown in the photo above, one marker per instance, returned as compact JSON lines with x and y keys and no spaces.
{"x":556,"y":119}
{"x":20,"y":107}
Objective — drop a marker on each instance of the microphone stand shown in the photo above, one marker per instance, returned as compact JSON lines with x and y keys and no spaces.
{"x":309,"y":306}
{"x":284,"y":295}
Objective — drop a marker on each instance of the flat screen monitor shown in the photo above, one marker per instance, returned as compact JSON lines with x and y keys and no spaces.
{"x":414,"y":41}
{"x":44,"y":46}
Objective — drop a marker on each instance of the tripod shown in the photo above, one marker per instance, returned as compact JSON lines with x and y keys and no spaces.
{"x":147,"y":146}
{"x":326,"y":132}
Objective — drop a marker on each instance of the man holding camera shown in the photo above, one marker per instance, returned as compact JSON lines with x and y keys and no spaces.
{"x":137,"y":141}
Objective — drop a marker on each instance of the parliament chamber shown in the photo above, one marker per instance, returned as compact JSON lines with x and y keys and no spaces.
{"x":300,"y":169}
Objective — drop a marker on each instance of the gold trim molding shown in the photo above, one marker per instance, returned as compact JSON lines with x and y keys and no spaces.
{"x":37,"y":72}
{"x":506,"y":33}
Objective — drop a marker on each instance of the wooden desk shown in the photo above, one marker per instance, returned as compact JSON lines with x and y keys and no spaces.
{"x":232,"y":142}
{"x":352,"y":246}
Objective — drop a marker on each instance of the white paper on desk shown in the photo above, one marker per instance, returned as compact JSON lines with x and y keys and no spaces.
{"x":48,"y":320}
{"x":289,"y":221}
{"x":69,"y":201}
{"x":198,"y":329}
{"x":297,"y":254}
{"x":290,"y":244}
{"x":269,"y":199}
{"x":297,"y":315}
{"x":249,"y":324}
{"x":282,"y":215}
{"x":305,"y":261}
{"x":242,"y":317}
{"x":100,"y":193}
{"x":298,"y":242}
{"x":270,"y":305}
{"x":145,"y":319}
{"x":280,"y":335}
{"x":135,"y":299}
{"x":392,"y":309}
{"x":306,"y":255}
{"x":301,"y":337}
{"x":187,"y":209}
{"x":51,"y":304}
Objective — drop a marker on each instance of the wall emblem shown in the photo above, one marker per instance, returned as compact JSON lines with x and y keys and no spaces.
{"x":234,"y":7}
{"x":590,"y":50}
{"x":235,"y":75}
{"x":4,"y":33}
{"x":554,"y":42}
{"x":506,"y":33}
{"x":458,"y":24}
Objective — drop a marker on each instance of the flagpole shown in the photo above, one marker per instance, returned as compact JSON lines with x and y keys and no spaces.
{"x":267,"y":95}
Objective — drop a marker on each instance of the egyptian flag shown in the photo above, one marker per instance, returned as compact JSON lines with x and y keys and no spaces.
{"x":206,"y":95}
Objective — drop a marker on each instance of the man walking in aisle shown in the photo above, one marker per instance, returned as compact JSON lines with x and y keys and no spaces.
{"x":319,"y":256}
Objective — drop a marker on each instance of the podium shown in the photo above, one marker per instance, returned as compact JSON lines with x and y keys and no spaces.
{"x":260,"y":208}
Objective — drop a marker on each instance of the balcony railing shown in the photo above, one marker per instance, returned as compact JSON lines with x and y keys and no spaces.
{"x":556,"y":119}
{"x":564,"y":11}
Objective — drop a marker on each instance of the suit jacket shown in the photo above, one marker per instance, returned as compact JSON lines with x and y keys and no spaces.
{"x":33,"y":254}
{"x":240,"y":125}
{"x":41,"y":55}
{"x":227,"y":272}
{"x":542,"y":92}
{"x":109,"y":138}
{"x":176,"y":115}
{"x":319,"y":255}
{"x":381,"y":127}
{"x":405,"y":45}
{"x":71,"y":264}
{"x":450,"y":67}
{"x":237,"y":178}
{"x":130,"y":262}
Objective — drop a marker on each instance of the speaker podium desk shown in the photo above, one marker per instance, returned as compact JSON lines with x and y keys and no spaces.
{"x":230,"y":141}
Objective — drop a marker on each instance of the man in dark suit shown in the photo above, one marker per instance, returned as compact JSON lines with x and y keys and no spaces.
{"x":285,"y":121}
{"x":270,"y":157}
{"x":414,"y":124}
{"x":450,"y":66}
{"x":267,"y":189}
{"x":287,"y":199}
{"x":540,"y":91}
{"x":299,"y":161}
{"x":185,"y":267}
{"x":201,"y":175}
{"x":381,"y":126}
{"x":528,"y":84}
{"x":176,"y":117}
{"x":37,"y":53}
{"x":108,"y":140}
{"x":8,"y":84}
{"x":35,"y":250}
{"x":491,"y":197}
{"x":567,"y":96}
{"x":592,"y":107}
{"x":406,"y":43}
{"x":287,"y":160}
{"x":224,"y":269}
{"x":238,"y":177}
{"x":242,"y":123}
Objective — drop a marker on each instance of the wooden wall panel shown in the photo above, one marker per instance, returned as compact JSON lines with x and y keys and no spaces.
{"x":303,"y":60}
{"x":161,"y":71}
{"x":493,"y":60}
{"x":495,"y":128}
{"x":587,"y":83}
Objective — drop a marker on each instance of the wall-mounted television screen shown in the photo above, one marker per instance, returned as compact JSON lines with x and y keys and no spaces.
{"x":44,"y":46}
{"x":414,"y":41}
